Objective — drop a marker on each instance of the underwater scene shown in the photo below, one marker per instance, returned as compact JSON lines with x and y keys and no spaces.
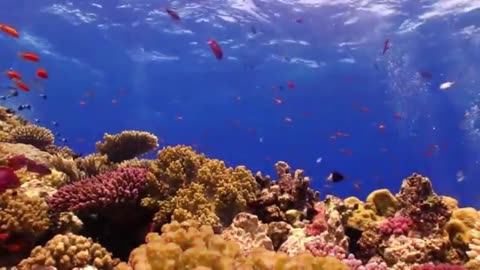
{"x":240,"y":135}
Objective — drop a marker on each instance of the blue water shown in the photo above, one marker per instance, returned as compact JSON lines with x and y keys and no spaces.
{"x":158,"y":70}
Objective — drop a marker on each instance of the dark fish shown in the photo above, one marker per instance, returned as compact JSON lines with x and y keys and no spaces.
{"x":24,"y":107}
{"x":13,"y":93}
{"x":64,"y":140}
{"x":335,"y":177}
{"x":3,"y":97}
{"x":386,"y":46}
{"x":254,"y":30}
{"x":57,"y":134}
{"x":36,"y":120}
{"x":174,"y":15}
{"x":425,"y":74}
{"x":55,"y":123}
{"x":43,"y":96}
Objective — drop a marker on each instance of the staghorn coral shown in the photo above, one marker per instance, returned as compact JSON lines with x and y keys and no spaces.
{"x":290,"y":192}
{"x":116,"y":187}
{"x":64,"y":151}
{"x":427,"y":210}
{"x":126,"y":145}
{"x":37,"y":136}
{"x":23,"y":215}
{"x":248,"y":232}
{"x":94,"y":164}
{"x":66,"y":166}
{"x":68,"y":251}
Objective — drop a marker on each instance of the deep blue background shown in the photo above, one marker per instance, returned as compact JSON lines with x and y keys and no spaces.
{"x":98,"y":56}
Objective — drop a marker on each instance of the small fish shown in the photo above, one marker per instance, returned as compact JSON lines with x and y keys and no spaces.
{"x":44,"y":96}
{"x":386,"y":46}
{"x":8,"y":179}
{"x":335,"y":177}
{"x":318,"y":160}
{"x":425,"y":74}
{"x":14,"y":75}
{"x":13,"y":93}
{"x":291,"y":84}
{"x":24,"y":107}
{"x":253,"y":30}
{"x":460,"y":176}
{"x":64,"y":140}
{"x":55,"y":123}
{"x":22,"y":86}
{"x":3,"y":98}
{"x":4,"y":236}
{"x":36,"y":120}
{"x":278,"y":100}
{"x":299,"y":20}
{"x":216,"y":49}
{"x":446,"y":85}
{"x":381,"y":127}
{"x":42,"y":73}
{"x":29,"y":56}
{"x":174,"y":15}
{"x":9,"y":30}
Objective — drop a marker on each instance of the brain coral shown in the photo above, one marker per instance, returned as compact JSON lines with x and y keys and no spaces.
{"x":68,"y":251}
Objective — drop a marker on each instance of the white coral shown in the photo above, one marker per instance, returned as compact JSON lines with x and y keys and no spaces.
{"x":474,"y":252}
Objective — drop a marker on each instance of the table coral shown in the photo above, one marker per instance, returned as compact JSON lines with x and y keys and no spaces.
{"x":37,"y":136}
{"x":68,"y":251}
{"x":122,"y":185}
{"x":249,"y":232}
{"x":290,"y":192}
{"x":127,"y":145}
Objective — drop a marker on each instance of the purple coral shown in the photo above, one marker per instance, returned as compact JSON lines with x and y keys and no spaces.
{"x":321,"y":248}
{"x":396,"y":225}
{"x":113,"y":187}
{"x":319,"y":224}
{"x":442,"y":266}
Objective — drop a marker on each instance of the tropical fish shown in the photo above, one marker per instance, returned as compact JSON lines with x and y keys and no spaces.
{"x":8,"y":179}
{"x":22,"y":86}
{"x":9,"y":30}
{"x":216,"y":49}
{"x":425,"y":74}
{"x":446,"y":85}
{"x":29,"y":56}
{"x":386,"y":46}
{"x":42,"y":73}
{"x":14,"y":75}
{"x":291,"y":84}
{"x":335,"y":177}
{"x":174,"y":15}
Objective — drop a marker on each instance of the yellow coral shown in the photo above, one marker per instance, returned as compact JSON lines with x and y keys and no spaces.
{"x":474,"y":245}
{"x":67,"y":251}
{"x":54,"y":178}
{"x":360,"y":218}
{"x":458,"y":232}
{"x":67,"y":166}
{"x":21,"y":214}
{"x":352,"y":201}
{"x":127,"y":145}
{"x":37,"y":136}
{"x":94,"y":164}
{"x":451,"y":203}
{"x":467,"y":215}
{"x":5,"y":137}
{"x":383,"y":202}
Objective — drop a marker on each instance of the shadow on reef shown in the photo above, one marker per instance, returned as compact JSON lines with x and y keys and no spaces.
{"x":59,"y":211}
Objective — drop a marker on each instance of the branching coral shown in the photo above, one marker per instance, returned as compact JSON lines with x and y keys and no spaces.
{"x":291,"y":192}
{"x":127,"y":144}
{"x":190,"y":186}
{"x":248,"y":232}
{"x":66,"y":166}
{"x":427,"y":210}
{"x":114,"y":187}
{"x":68,"y":251}
{"x":37,"y":136}
{"x":396,"y":225}
{"x":23,"y":215}
{"x":94,"y":164}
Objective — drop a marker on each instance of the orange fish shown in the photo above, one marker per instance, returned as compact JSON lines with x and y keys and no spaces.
{"x":278,"y":100}
{"x":23,"y":86}
{"x":9,"y":30}
{"x":29,"y":56}
{"x":42,"y":73}
{"x":14,"y":75}
{"x":381,"y":127}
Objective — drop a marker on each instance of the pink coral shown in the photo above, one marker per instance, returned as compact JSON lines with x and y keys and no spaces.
{"x":352,"y":262}
{"x":319,"y":224}
{"x":321,"y":248}
{"x":396,"y":225}
{"x":103,"y":190}
{"x":442,"y":266}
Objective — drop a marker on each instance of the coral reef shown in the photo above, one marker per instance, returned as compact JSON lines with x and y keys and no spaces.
{"x":184,"y":210}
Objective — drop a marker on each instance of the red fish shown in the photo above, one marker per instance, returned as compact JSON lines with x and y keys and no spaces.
{"x":22,"y":86}
{"x":42,"y":73}
{"x":12,"y":74}
{"x":291,"y":84}
{"x":386,"y":46}
{"x":8,"y":179}
{"x":174,"y":15}
{"x":29,"y":56}
{"x":9,"y":30}
{"x":216,"y":49}
{"x":4,"y":236}
{"x":397,"y":116}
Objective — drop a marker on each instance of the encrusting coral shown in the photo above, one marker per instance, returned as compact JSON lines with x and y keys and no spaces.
{"x":197,"y":213}
{"x":127,"y":144}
